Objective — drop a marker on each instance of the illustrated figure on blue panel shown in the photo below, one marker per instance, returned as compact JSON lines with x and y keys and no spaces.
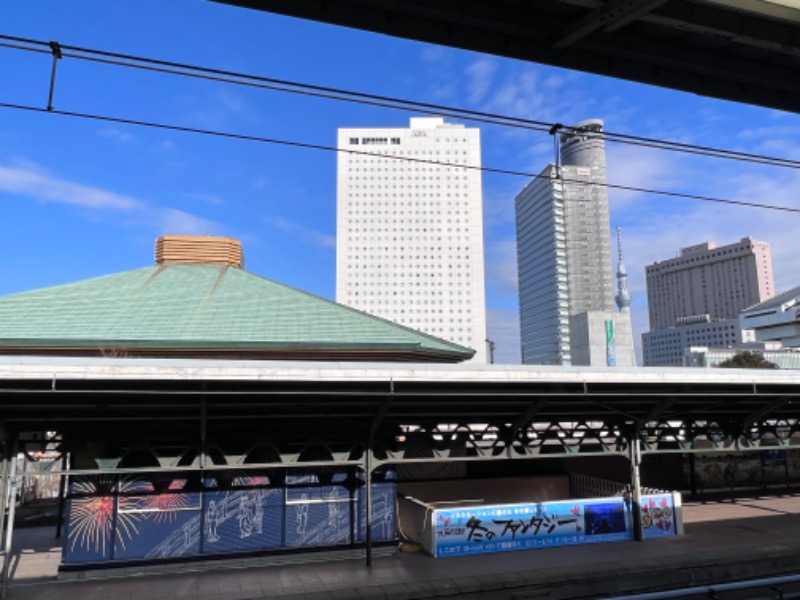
{"x":212,"y":520}
{"x":333,"y":510}
{"x":245,"y":517}
{"x":251,"y":514}
{"x":258,"y":501}
{"x":301,"y":514}
{"x":386,"y":526}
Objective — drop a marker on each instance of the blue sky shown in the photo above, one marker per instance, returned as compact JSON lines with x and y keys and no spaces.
{"x":84,"y":198}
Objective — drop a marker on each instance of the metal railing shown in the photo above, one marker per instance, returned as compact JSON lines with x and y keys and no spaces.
{"x":586,"y":486}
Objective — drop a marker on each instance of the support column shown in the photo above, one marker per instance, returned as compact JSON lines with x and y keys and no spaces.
{"x":368,"y":498}
{"x":636,"y":486}
{"x":62,"y":496}
{"x":12,"y":504}
{"x":203,"y":431}
{"x":4,"y":494}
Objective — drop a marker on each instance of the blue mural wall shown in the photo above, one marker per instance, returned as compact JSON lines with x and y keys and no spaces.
{"x":743,"y":470}
{"x":246,"y":516}
{"x":118,"y":518}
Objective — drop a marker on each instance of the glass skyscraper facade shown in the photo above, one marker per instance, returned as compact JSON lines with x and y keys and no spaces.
{"x":564,"y":257}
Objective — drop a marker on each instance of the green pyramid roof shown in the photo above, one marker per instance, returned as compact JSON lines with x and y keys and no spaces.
{"x":201,"y":309}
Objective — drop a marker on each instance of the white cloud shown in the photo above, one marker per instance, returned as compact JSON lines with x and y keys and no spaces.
{"x":220,"y":108}
{"x":444,"y":92}
{"x":205,"y":198}
{"x":530,"y":93}
{"x":118,"y":135}
{"x":480,"y":75}
{"x":637,"y":167}
{"x":174,"y":221}
{"x":521,"y":96}
{"x":165,"y":146}
{"x":761,"y":133}
{"x":31,"y":181}
{"x":434,"y":54}
{"x":777,"y":141}
{"x":307,"y":235}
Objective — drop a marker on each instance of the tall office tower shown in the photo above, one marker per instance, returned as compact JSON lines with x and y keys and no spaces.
{"x":589,"y":267}
{"x":566,"y":290}
{"x":542,"y":271}
{"x":706,"y":280}
{"x":695,"y":299}
{"x":409,"y":243}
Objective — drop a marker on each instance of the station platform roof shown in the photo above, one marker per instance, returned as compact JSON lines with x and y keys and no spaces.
{"x":491,"y":410}
{"x":741,"y":50}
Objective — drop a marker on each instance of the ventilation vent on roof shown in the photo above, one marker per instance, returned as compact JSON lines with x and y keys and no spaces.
{"x":199,"y":249}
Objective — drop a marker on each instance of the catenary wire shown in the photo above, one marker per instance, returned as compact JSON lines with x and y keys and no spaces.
{"x":309,"y":146}
{"x":249,"y":80}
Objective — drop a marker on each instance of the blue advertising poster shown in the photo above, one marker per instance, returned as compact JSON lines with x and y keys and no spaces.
{"x":658,"y":516}
{"x":501,"y":528}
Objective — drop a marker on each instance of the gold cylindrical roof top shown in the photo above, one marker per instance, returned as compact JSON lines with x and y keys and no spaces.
{"x":199,"y":249}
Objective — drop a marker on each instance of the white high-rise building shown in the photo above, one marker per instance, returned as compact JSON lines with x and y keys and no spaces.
{"x":409,"y":243}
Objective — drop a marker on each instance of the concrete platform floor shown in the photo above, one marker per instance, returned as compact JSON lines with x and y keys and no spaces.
{"x":725,"y":540}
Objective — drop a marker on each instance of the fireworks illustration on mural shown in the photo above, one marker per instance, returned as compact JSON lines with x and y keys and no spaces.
{"x":163,"y":506}
{"x":250,"y":481}
{"x":92,"y":514}
{"x":159,"y":502}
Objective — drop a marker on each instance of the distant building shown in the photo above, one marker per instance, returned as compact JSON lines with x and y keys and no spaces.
{"x":601,"y":338}
{"x":707,"y":280}
{"x":695,"y":299}
{"x":667,"y":347}
{"x":776,"y":320}
{"x":566,"y":289}
{"x":783,"y":358}
{"x":409,"y":243}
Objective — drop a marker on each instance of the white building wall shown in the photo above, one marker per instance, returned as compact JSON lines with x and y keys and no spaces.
{"x":588,"y":339}
{"x":409,"y":245}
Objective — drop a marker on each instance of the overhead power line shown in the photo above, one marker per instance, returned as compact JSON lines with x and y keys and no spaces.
{"x":338,"y":94}
{"x":309,"y":146}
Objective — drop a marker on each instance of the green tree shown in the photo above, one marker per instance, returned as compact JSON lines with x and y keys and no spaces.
{"x":747,"y":360}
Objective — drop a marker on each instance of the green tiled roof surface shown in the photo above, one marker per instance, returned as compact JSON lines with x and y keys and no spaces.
{"x":196,"y":306}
